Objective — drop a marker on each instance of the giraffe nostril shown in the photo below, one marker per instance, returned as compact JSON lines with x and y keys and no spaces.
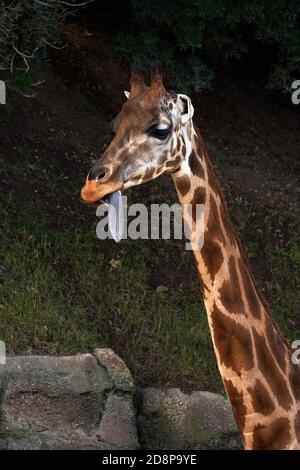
{"x":100,"y":175}
{"x":97,"y":174}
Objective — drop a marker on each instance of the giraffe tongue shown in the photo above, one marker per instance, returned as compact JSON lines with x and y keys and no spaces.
{"x":114,"y":203}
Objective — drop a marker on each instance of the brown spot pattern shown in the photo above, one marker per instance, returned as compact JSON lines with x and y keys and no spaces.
{"x":271,"y":372}
{"x":199,"y":196}
{"x":295,"y":380}
{"x":233,"y":342}
{"x":274,"y":436}
{"x":196,"y":166}
{"x":230,"y":291}
{"x":148,"y":174}
{"x":261,"y":400}
{"x":162,"y":158}
{"x":230,"y":231}
{"x":183,"y":185}
{"x":214,"y":224}
{"x":250,"y":290}
{"x":275,"y":343}
{"x":236,"y":399}
{"x":212,"y":256}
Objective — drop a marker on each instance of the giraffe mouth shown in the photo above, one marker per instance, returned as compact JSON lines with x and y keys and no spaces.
{"x":95,"y":193}
{"x":115,"y":207}
{"x":109,"y":198}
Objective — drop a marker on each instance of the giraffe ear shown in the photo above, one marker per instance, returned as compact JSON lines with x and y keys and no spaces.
{"x":127,"y":94}
{"x":186,"y":108}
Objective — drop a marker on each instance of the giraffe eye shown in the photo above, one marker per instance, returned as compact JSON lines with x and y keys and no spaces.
{"x":160,"y":131}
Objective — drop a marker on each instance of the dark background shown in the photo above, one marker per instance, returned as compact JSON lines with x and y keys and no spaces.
{"x":61,"y":289}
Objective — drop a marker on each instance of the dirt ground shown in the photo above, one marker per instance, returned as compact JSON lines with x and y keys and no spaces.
{"x":47,"y":145}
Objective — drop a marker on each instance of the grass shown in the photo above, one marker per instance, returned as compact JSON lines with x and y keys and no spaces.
{"x":285,"y":288}
{"x":61,"y":292}
{"x":66,"y":291}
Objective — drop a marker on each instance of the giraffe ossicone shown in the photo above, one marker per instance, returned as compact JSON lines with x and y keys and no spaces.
{"x":154,"y":134}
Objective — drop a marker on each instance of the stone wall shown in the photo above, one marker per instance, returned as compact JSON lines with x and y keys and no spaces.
{"x":89,"y":401}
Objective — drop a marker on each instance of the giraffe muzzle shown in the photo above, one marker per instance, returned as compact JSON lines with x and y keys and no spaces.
{"x":94,"y":191}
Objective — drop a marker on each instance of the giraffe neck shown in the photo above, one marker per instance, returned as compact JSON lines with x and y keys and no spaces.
{"x":262,"y":384}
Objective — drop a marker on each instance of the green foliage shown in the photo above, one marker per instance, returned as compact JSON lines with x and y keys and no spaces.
{"x":286,"y":273}
{"x":27,"y":28}
{"x":194,"y":37}
{"x":21,"y":82}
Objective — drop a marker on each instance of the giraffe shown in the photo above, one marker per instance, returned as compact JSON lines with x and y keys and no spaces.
{"x":154,"y":133}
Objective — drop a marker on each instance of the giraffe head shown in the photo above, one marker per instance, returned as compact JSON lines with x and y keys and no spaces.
{"x":148,"y":139}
